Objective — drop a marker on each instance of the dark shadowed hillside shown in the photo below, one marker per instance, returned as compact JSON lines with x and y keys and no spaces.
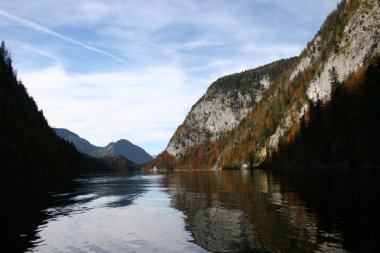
{"x":30,"y":152}
{"x":33,"y":159}
{"x":81,"y":144}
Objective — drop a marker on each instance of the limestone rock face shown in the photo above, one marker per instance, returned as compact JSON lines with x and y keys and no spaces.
{"x":312,"y":54}
{"x":219,"y":110}
{"x":349,"y":36}
{"x":360,"y":38}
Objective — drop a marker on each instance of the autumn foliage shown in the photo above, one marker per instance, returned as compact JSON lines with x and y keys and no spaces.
{"x":280,"y":106}
{"x":340,"y":133}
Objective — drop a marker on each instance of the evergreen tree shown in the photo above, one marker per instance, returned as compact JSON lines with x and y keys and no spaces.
{"x":336,"y":86}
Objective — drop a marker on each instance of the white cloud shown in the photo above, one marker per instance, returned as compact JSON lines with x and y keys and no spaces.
{"x":200,"y":44}
{"x":170,"y":50}
{"x":102,"y":107}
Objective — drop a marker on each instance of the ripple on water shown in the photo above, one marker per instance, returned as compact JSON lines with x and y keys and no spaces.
{"x":99,"y":222}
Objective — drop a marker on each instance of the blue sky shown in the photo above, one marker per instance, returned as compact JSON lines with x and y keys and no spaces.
{"x":132,"y":69}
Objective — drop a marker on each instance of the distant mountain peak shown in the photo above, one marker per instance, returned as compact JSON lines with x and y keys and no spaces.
{"x":64,"y":131}
{"x":123,"y":140}
{"x":121,"y":147}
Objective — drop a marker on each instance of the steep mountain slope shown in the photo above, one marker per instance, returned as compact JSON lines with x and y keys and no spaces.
{"x":29,"y":149}
{"x":340,"y":133}
{"x":33,"y":160}
{"x":250,"y":127}
{"x":124,"y":148}
{"x":81,"y":144}
{"x":226,"y":102}
{"x":350,"y":36}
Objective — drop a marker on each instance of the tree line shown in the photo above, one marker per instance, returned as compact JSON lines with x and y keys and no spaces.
{"x":340,"y":133}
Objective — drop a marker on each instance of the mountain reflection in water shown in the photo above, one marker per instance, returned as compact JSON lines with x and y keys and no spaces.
{"x":200,"y":211}
{"x":245,"y":211}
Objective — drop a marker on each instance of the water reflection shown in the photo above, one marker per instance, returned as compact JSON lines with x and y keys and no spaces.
{"x":244,"y":211}
{"x":345,"y":202}
{"x":219,"y":211}
{"x":114,"y":214}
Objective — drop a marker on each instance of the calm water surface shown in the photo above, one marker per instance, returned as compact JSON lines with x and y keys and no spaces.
{"x":115,"y":214}
{"x":212,"y":211}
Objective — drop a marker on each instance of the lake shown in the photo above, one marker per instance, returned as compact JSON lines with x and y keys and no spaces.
{"x":211,"y":211}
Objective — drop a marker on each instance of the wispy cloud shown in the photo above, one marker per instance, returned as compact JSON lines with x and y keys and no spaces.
{"x":42,"y":29}
{"x":173,"y":50}
{"x":40,"y":52}
{"x":141,"y":106}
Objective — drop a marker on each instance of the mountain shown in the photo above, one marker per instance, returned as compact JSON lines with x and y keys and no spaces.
{"x":32,"y":157}
{"x":340,"y":133}
{"x":120,"y":148}
{"x":35,"y":163}
{"x":126,"y":149}
{"x":242,"y":118}
{"x":29,"y":149}
{"x":33,"y":160}
{"x":107,"y":164}
{"x":226,"y":102}
{"x":81,"y":144}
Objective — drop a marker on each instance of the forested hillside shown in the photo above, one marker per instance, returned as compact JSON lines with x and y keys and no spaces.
{"x":346,"y":41}
{"x":340,"y":133}
{"x":226,"y":103}
{"x":30,"y":152}
{"x":33,"y":160}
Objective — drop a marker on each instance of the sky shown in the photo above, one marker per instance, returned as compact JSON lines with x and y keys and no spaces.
{"x":132,"y":69}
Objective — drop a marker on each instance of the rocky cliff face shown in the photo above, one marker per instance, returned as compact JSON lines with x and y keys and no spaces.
{"x":250,"y":112}
{"x":216,"y":112}
{"x":345,"y":47}
{"x":359,"y":38}
{"x":226,"y":102}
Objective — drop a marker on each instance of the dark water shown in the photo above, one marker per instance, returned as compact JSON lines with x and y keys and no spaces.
{"x":215,"y":211}
{"x":244,"y":211}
